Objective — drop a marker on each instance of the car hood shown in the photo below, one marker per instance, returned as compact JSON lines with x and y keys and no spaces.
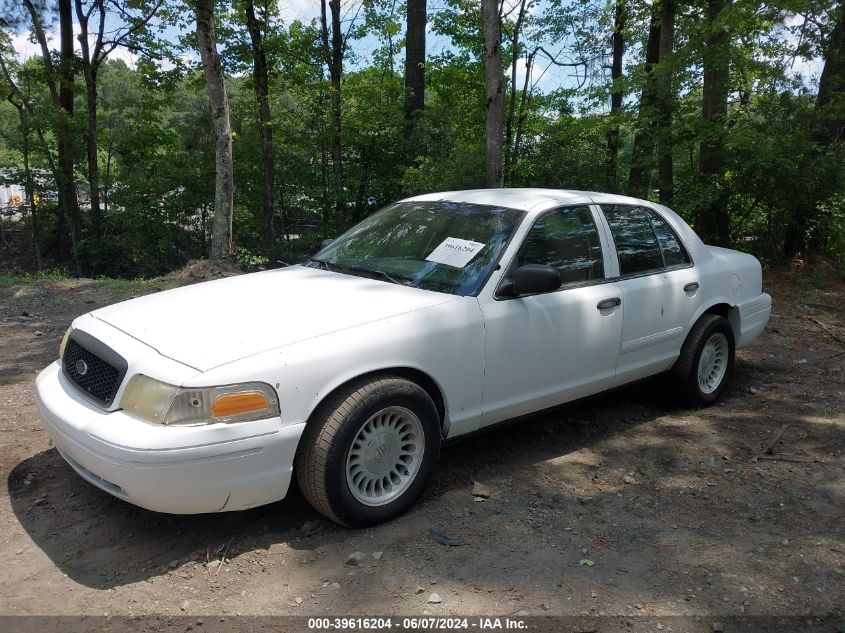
{"x":213,"y":323}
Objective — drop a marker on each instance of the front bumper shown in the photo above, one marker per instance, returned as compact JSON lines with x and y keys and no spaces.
{"x":180,"y":470}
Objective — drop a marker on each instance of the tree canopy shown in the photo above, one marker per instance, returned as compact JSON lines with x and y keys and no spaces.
{"x":114,"y":123}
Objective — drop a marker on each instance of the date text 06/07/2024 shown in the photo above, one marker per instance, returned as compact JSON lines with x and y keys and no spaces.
{"x":416,"y":623}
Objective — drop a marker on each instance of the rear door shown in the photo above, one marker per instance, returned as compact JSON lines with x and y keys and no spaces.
{"x":546,"y":349}
{"x":659,"y":286}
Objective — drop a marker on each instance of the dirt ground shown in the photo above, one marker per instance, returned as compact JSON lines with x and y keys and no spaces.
{"x":623,"y":505}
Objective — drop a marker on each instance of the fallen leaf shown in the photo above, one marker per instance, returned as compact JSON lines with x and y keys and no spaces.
{"x":445,"y":539}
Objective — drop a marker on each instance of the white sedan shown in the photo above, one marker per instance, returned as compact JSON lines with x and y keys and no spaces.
{"x":436,"y":317}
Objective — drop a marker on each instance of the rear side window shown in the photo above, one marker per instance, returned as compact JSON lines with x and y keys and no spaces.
{"x":565,"y":239}
{"x":636,"y":243}
{"x":644,"y":240}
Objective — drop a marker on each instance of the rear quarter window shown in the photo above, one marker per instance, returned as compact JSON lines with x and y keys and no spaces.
{"x":674,"y":253}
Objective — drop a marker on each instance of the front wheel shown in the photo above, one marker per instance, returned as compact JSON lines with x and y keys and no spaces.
{"x":704,"y":366}
{"x":369,"y":450}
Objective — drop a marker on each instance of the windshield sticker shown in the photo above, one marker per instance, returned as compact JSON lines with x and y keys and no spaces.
{"x":455,"y":252}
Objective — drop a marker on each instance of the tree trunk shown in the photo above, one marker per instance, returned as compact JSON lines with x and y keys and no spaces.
{"x":23,"y":108}
{"x":509,"y":123}
{"x":334,"y":60}
{"x":363,"y":182}
{"x":29,"y":187}
{"x":494,"y":83}
{"x":616,"y":94}
{"x":642,"y":153}
{"x":522,"y":112}
{"x":66,"y":182}
{"x":107,"y":187}
{"x":91,"y":60}
{"x":30,"y":196}
{"x":203,"y":223}
{"x":665,"y":102}
{"x":89,"y":71}
{"x":414,"y":75}
{"x":221,"y":234}
{"x":59,"y":81}
{"x":713,"y":222}
{"x":60,"y":85}
{"x":827,"y":127}
{"x":832,"y":80}
{"x":91,"y":151}
{"x":262,"y":92}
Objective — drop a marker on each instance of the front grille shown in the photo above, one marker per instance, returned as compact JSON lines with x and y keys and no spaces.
{"x":91,"y":374}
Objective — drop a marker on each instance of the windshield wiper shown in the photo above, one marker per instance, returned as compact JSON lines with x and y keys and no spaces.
{"x":322,"y":262}
{"x":391,"y":278}
{"x":394,"y":279}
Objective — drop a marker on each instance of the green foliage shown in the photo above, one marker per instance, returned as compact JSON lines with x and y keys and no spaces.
{"x":568,"y":153}
{"x":829,"y":230}
{"x":250,"y":261}
{"x":156,"y":150}
{"x":48,"y":274}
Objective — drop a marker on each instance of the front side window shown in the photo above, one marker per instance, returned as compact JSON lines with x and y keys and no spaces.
{"x":567,"y":240}
{"x":443,"y":246}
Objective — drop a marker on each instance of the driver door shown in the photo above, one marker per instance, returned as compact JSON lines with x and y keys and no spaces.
{"x":546,"y":349}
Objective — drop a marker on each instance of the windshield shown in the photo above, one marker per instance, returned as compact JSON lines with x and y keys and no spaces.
{"x":443,"y":246}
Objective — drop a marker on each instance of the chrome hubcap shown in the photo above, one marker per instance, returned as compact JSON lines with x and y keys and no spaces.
{"x":713,"y":363}
{"x":385,"y":456}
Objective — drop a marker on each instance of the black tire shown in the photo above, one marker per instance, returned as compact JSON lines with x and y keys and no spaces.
{"x":684,"y":373}
{"x":324,"y":448}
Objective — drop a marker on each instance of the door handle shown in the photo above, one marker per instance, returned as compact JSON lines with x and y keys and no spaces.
{"x":609,"y":303}
{"x":691,"y":287}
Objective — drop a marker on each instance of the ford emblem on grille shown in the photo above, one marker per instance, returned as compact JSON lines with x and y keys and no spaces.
{"x":81,"y":367}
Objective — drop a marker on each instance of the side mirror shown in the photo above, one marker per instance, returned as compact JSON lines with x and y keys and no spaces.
{"x":531,"y":279}
{"x":325,"y":243}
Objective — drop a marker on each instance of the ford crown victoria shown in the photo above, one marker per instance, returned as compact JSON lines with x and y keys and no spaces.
{"x":433,"y":318}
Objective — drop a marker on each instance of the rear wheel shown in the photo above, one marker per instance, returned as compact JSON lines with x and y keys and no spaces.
{"x":369,"y":450}
{"x":704,"y":367}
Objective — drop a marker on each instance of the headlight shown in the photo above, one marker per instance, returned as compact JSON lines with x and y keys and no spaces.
{"x":63,"y":344}
{"x":158,"y":402}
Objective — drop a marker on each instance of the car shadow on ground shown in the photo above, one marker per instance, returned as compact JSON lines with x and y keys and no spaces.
{"x":102,"y":542}
{"x":84,"y":530}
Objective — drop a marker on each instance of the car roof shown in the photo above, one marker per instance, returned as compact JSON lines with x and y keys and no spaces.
{"x":525,"y":199}
{"x":536,"y":201}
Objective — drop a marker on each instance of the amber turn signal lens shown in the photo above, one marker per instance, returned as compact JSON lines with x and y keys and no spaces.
{"x":239,"y":403}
